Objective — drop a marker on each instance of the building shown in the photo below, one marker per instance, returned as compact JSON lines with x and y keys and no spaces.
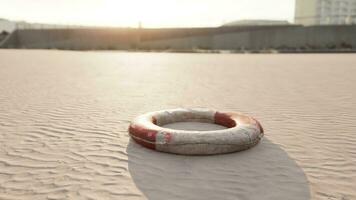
{"x":324,"y":12}
{"x":257,"y":22}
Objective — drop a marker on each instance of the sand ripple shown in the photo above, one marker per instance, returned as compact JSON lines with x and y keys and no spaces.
{"x":64,"y":116}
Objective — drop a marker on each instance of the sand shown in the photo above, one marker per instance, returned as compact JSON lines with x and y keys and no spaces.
{"x":64,"y":118}
{"x":194,"y":126}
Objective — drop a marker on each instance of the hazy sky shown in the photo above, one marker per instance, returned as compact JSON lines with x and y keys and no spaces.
{"x":152,"y":13}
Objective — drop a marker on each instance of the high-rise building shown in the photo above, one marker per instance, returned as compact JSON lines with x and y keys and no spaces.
{"x":319,"y":12}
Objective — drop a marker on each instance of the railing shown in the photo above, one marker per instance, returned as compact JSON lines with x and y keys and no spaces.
{"x":4,"y":39}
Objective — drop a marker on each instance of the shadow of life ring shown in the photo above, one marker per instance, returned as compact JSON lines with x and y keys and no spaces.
{"x":242,"y":132}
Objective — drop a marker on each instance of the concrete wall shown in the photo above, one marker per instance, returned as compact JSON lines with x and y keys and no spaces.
{"x":313,"y":37}
{"x":77,"y":39}
{"x":198,"y":42}
{"x":282,"y":37}
{"x":10,"y":41}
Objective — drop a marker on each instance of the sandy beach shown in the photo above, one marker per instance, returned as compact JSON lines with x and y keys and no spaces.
{"x":64,"y":118}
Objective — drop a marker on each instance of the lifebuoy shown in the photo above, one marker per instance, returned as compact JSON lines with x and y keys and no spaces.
{"x":242,"y":132}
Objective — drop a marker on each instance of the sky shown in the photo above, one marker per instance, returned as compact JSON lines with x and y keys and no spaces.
{"x":151,"y":13}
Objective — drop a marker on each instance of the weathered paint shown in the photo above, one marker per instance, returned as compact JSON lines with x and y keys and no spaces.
{"x":242,"y":132}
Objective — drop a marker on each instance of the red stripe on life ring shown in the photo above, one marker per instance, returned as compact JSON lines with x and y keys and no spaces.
{"x":154,"y":120}
{"x":259,"y":125}
{"x":224,"y":120}
{"x":145,"y":137}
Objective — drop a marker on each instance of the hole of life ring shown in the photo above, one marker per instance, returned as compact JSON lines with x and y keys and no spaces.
{"x":187,"y":121}
{"x":194,"y":126}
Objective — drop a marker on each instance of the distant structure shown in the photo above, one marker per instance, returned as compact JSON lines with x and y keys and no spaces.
{"x":269,"y":38}
{"x":257,"y":22}
{"x":7,"y":25}
{"x":325,"y":12}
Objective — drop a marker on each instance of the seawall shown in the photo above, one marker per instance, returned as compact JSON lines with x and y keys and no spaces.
{"x":286,"y":38}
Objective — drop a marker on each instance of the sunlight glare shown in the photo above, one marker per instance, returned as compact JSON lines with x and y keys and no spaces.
{"x":133,"y":12}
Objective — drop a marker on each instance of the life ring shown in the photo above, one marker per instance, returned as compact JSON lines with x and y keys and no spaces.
{"x":242,"y":132}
